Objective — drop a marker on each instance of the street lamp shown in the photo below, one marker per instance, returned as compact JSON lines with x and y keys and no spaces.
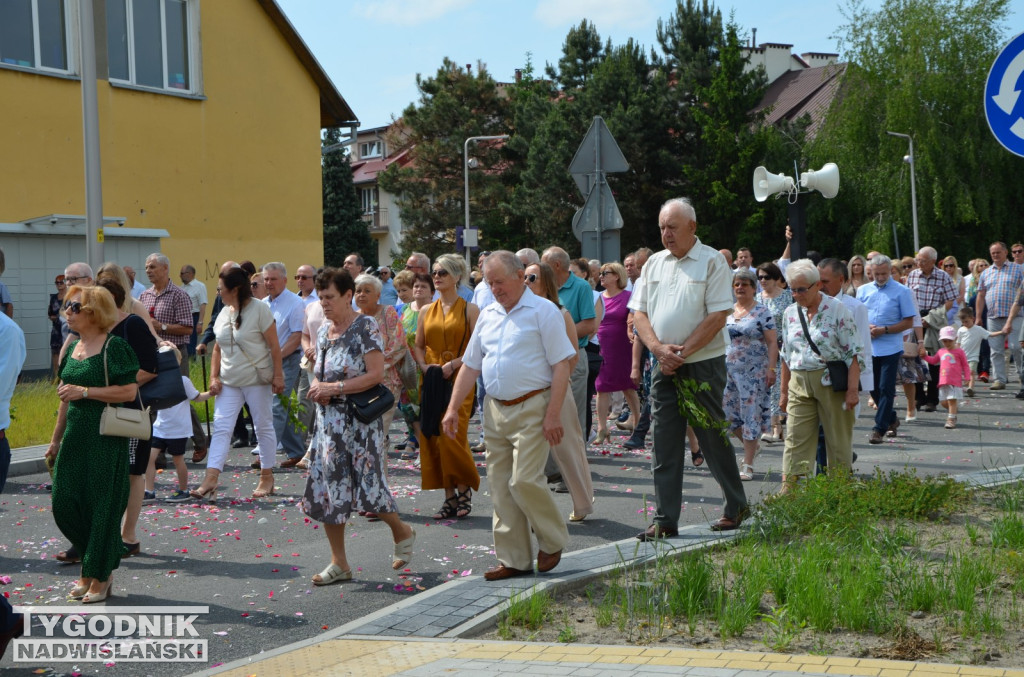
{"x":909,"y":159}
{"x":465,"y":175}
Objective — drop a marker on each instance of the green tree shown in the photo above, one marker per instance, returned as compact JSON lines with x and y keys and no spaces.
{"x":344,"y":229}
{"x":581,"y":52}
{"x":918,"y":67}
{"x":454,"y":105}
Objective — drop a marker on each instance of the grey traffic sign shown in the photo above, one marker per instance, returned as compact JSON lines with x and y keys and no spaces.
{"x":603,"y":246}
{"x":1003,"y":111}
{"x":599,"y":213}
{"x":598,"y":152}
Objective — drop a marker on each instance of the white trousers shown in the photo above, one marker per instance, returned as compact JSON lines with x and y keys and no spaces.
{"x":228,"y":404}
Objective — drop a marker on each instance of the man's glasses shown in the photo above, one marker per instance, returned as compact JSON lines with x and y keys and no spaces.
{"x":73,"y":280}
{"x":799,"y":290}
{"x":303,"y":277}
{"x":532,"y":277}
{"x":73,"y":307}
{"x":440,"y":272}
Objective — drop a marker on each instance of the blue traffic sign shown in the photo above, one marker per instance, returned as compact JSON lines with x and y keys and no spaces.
{"x":1004,"y":109}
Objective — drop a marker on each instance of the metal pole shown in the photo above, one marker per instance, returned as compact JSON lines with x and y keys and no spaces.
{"x":91,"y":136}
{"x":913,"y":186}
{"x":465,"y":178}
{"x":600,"y":195}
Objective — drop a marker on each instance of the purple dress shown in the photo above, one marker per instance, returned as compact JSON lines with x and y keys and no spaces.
{"x":616,"y":350}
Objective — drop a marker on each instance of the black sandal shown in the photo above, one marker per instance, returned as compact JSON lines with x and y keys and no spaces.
{"x":447,"y":510}
{"x":697,"y":457}
{"x":464,"y":504}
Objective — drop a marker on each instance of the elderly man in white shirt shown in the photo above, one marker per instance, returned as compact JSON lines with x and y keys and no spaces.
{"x":289,"y":314}
{"x":521,"y":349}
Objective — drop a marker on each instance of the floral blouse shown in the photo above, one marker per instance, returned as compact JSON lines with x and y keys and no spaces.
{"x":833,"y":332}
{"x":393,"y":334}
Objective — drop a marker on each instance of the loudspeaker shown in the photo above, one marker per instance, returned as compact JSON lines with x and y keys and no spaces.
{"x":825,"y":180}
{"x":766,"y":183}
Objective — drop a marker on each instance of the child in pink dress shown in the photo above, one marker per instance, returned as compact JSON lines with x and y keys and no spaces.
{"x":953,"y":369}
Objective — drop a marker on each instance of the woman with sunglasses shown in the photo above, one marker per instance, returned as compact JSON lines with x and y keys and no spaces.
{"x":442,"y":334}
{"x":570,"y":454}
{"x":616,"y":351}
{"x":776,"y":296}
{"x":90,"y":471}
{"x":56,"y":338}
{"x":952,"y":268}
{"x":259,"y":290}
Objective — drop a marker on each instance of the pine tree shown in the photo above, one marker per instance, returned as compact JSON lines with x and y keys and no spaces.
{"x":344,"y":229}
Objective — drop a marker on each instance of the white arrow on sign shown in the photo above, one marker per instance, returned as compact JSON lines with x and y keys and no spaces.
{"x":1008,"y":94}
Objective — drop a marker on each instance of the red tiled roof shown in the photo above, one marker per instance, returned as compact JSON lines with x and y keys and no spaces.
{"x":807,"y":91}
{"x":366,"y":171}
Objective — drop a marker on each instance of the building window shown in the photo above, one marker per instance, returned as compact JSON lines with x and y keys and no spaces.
{"x":371,"y":149}
{"x":153,"y":43}
{"x":34,"y":34}
{"x":369,"y":197}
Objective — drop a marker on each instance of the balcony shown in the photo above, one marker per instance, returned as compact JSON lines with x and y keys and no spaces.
{"x":377,"y":222}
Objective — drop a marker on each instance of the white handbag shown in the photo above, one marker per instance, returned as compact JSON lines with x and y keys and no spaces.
{"x":121,"y":422}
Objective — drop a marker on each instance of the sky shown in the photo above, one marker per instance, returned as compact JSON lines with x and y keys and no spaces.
{"x":373,"y":49}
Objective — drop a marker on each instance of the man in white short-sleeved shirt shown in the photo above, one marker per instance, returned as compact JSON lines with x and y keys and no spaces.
{"x":521,"y":349}
{"x":290,"y":314}
{"x":680,"y":311}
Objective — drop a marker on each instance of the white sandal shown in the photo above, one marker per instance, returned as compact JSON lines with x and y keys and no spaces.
{"x":333,"y":574}
{"x":746,"y":472}
{"x":403,"y":552}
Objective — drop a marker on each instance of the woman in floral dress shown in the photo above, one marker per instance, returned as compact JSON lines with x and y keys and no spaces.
{"x":750,"y":361}
{"x":346,"y":468}
{"x":776,"y":296}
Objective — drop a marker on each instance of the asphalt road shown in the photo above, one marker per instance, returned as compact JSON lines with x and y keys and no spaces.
{"x":251,"y":561}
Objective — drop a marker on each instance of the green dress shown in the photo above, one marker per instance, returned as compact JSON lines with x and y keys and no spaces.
{"x":90,"y":477}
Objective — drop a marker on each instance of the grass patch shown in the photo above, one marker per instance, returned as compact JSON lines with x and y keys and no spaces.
{"x":894,"y":565}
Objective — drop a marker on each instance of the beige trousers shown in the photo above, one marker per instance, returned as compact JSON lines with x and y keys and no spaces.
{"x":571,"y":456}
{"x":516,"y":454}
{"x":811,"y":403}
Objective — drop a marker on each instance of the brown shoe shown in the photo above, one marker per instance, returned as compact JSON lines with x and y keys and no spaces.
{"x":291,"y":462}
{"x":503,"y":572}
{"x":875,"y":437}
{"x":546,"y":562}
{"x":199,"y":455}
{"x":655,"y":532}
{"x":730,"y":523}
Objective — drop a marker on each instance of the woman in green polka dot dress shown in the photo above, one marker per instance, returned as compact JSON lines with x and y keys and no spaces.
{"x":90,"y":476}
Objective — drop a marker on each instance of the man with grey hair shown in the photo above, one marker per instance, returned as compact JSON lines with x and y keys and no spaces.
{"x":526,"y":386}
{"x":577,"y":297}
{"x":289,"y":315}
{"x":170,"y":313}
{"x":683,"y":298}
{"x":891,"y":311}
{"x":528,"y":256}
{"x":933,"y":289}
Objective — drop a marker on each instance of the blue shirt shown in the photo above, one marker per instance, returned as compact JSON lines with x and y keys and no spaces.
{"x":12,"y":359}
{"x":887,"y":305}
{"x":388,"y":294}
{"x":465,"y":292}
{"x":577,"y":297}
{"x":289,"y":313}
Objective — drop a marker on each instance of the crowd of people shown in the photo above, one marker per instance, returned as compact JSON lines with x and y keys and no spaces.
{"x":539,"y":344}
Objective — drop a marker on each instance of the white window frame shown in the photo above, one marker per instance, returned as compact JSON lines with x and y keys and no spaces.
{"x":369,"y":200}
{"x":70,"y":45}
{"x":376,"y":144}
{"x":194,"y":55}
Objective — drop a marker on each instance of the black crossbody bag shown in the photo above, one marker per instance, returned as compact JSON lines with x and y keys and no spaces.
{"x":838,"y":371}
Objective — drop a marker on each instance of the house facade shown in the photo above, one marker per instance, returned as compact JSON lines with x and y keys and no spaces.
{"x":371,"y":155}
{"x":210,"y":116}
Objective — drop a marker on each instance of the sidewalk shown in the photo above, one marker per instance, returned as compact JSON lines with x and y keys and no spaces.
{"x":421,"y":636}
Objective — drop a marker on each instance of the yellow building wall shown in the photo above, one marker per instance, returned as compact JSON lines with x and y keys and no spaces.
{"x":234,"y":176}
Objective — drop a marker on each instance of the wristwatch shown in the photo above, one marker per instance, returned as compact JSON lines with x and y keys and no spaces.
{"x":163,"y":327}
{"x":85,"y":393}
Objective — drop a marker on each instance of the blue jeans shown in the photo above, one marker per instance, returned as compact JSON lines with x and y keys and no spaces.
{"x":884,"y":393}
{"x":287,"y":436}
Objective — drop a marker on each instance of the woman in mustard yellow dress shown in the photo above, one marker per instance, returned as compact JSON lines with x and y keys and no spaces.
{"x":442,"y":335}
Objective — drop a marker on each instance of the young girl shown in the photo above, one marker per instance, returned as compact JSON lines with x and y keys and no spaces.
{"x":952,"y":370}
{"x":171,"y":430}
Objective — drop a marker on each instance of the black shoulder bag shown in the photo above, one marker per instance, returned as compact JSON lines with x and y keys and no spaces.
{"x":366,"y":406}
{"x":838,"y":371}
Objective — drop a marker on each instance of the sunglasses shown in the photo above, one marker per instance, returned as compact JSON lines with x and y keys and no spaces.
{"x":73,"y":307}
{"x":303,"y":277}
{"x":763,"y":277}
{"x":1018,"y":251}
{"x":532,"y":277}
{"x":440,"y":272}
{"x":606,"y":272}
{"x":799,"y":290}
{"x":254,"y":285}
{"x":59,"y":282}
{"x":949,"y":265}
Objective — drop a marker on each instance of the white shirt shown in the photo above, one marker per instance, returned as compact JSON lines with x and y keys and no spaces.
{"x":515,"y":350}
{"x":970,"y":340}
{"x":677,"y":294}
{"x":860,"y":318}
{"x":310,"y":298}
{"x":482,"y":295}
{"x":175,"y":423}
{"x":137,"y":289}
{"x":289,"y":313}
{"x":197,"y":292}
